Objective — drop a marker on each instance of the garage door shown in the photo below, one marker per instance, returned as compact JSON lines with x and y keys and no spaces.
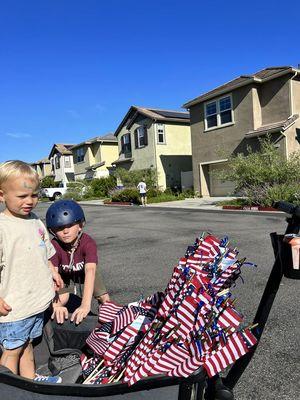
{"x":217,"y":186}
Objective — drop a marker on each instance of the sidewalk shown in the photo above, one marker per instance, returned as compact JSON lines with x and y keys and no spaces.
{"x":208,"y":204}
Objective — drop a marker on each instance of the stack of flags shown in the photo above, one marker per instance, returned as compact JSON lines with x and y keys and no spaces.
{"x":193,"y":324}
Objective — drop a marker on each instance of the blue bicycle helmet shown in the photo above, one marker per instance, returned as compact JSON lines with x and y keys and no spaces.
{"x":64,"y":212}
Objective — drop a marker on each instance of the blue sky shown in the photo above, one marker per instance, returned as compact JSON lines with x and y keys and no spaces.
{"x":70,"y":69}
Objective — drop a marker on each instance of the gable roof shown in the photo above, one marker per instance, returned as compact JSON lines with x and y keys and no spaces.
{"x":42,"y":161}
{"x":108,"y":138}
{"x":243,"y":80}
{"x":155,"y":114}
{"x":63,"y":149}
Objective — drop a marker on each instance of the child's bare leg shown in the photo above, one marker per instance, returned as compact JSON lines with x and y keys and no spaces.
{"x":10,"y":359}
{"x":27,"y":365}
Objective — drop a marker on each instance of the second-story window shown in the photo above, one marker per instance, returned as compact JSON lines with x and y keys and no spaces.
{"x":125,"y":143}
{"x":80,"y":154}
{"x":67,"y":161}
{"x":218,"y":112}
{"x":141,"y":137}
{"x":160,"y":131}
{"x":57,"y":162}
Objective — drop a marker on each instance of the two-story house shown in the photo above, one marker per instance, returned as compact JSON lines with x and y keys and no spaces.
{"x":61,"y":159}
{"x":93,"y":157}
{"x":42,"y":167}
{"x":158,"y":139}
{"x":228,"y":118}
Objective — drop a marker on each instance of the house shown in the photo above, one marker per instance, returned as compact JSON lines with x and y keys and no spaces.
{"x":42,"y":167}
{"x":93,"y":157}
{"x":227,"y":119}
{"x":159,"y":139}
{"x":61,"y":159}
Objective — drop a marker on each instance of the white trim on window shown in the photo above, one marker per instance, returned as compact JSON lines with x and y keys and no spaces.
{"x":140,"y":131}
{"x":217,"y":110}
{"x":160,"y":133}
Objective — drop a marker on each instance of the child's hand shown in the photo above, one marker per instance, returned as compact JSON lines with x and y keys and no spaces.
{"x":58,"y":281}
{"x":80,"y":313}
{"x":4,"y":308}
{"x":60,"y":313}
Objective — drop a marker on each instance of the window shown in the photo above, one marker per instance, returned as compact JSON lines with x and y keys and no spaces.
{"x":80,"y":154}
{"x":125,"y":143}
{"x":67,"y":161}
{"x":161,"y":137}
{"x":57,"y":162}
{"x":218,"y":112}
{"x":141,"y":137}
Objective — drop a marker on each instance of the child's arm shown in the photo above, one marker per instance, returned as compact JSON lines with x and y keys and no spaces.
{"x":4,"y":307}
{"x":81,"y":312}
{"x":58,"y":282}
{"x":60,"y":313}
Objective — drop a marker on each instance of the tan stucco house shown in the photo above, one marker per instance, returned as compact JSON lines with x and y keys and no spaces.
{"x":93,"y":157}
{"x":61,"y":159}
{"x":159,"y":139}
{"x":228,"y":118}
{"x":42,"y":167}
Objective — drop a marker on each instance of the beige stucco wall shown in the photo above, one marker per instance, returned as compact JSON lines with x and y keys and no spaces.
{"x":218,"y":144}
{"x":292,"y":144}
{"x":108,"y":153}
{"x":143,"y":157}
{"x":295,"y":90}
{"x":178,"y":143}
{"x":95,"y":153}
{"x":274,"y":98}
{"x":80,"y":167}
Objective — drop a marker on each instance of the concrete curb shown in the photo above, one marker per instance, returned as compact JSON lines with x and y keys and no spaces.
{"x":207,"y":209}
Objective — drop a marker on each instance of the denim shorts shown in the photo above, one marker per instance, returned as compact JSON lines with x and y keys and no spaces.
{"x":16,"y":334}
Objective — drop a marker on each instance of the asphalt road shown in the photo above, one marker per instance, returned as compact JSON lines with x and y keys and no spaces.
{"x":140,"y":246}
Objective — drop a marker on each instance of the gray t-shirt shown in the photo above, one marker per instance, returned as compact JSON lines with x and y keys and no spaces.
{"x":25,"y":279}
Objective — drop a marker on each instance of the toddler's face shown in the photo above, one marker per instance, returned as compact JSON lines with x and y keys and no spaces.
{"x":68,"y":234}
{"x":20,"y":196}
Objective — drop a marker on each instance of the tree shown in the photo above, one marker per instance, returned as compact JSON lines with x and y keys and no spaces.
{"x":265,"y":176}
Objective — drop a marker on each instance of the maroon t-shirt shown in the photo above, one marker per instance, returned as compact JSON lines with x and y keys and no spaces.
{"x":86,"y":252}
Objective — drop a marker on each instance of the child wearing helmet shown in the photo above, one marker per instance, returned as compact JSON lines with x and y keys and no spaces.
{"x":75,"y":259}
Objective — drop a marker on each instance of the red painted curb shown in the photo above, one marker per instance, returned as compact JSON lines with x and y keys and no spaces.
{"x":249,"y":208}
{"x":118,"y":203}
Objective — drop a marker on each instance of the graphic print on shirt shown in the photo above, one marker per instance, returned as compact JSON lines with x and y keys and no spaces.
{"x":42,"y":235}
{"x":74,"y":267}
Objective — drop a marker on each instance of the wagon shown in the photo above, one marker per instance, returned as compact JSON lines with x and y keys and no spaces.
{"x":195,"y":387}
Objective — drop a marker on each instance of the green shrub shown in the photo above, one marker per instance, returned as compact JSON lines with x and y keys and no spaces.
{"x":132,"y":178}
{"x":48,"y":182}
{"x":188,"y":193}
{"x":152,"y":192}
{"x":165,"y":197}
{"x":264,"y":176}
{"x":168,"y":191}
{"x":100,"y":187}
{"x":127,"y":195}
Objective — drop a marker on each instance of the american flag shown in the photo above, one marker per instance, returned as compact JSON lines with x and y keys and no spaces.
{"x":123,"y":318}
{"x":108,"y":311}
{"x":98,"y":339}
{"x":113,"y":351}
{"x":227,"y":354}
{"x":192,"y":324}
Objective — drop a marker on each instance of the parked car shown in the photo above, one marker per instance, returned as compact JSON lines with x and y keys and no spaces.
{"x":54,"y":193}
